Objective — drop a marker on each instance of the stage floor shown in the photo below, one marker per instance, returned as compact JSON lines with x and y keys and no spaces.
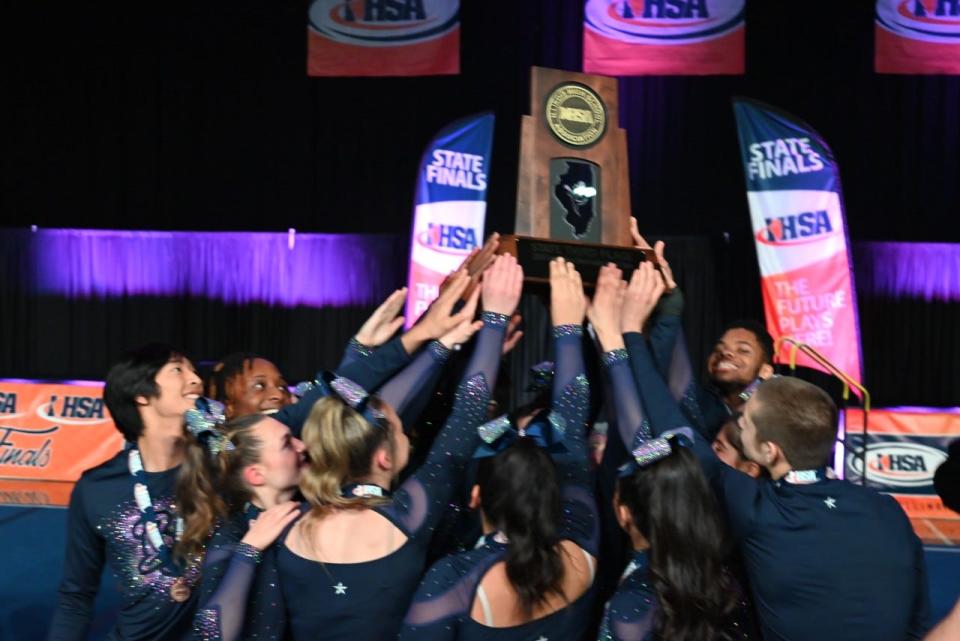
{"x":32,"y":540}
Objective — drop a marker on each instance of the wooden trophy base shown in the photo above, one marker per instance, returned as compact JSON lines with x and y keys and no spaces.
{"x":535,"y":254}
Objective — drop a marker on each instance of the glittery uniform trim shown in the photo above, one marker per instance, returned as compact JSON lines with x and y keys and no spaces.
{"x":206,"y":625}
{"x":494,"y":429}
{"x":133,"y":558}
{"x":248,"y":552}
{"x":561,"y":331}
{"x":360,"y":348}
{"x":439,"y":351}
{"x":652,"y":451}
{"x":349,"y":391}
{"x":615,"y":356}
{"x":495,"y":319}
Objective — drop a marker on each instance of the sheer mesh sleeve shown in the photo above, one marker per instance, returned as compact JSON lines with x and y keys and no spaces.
{"x":444,"y":598}
{"x":571,"y":403}
{"x":372,"y":372}
{"x":222,"y":617}
{"x":630,"y":616}
{"x":420,"y":502}
{"x":418,"y":378}
{"x":631,"y":422}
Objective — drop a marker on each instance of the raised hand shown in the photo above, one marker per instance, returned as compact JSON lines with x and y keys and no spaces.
{"x":514,"y":334}
{"x":439,"y":319}
{"x":638,"y":241}
{"x":384,"y":322}
{"x":669,"y":283}
{"x":606,"y":308}
{"x":645,"y":289}
{"x":265,"y":529}
{"x":467,"y":328}
{"x":568,"y":304}
{"x":641,"y":243}
{"x":476,"y":262}
{"x":502,"y":285}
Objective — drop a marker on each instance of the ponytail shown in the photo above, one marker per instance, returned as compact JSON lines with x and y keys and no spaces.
{"x":340,"y":443}
{"x":521,"y":498}
{"x":210,"y":488}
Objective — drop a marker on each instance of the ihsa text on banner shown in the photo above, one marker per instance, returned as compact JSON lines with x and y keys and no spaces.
{"x":793,"y":189}
{"x":917,"y":36}
{"x":451,"y":206}
{"x":663,"y":37}
{"x":383,"y":37}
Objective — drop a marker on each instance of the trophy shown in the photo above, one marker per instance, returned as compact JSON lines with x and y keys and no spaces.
{"x":573,"y":194}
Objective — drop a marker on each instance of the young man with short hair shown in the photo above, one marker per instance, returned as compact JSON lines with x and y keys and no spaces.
{"x":123,"y":512}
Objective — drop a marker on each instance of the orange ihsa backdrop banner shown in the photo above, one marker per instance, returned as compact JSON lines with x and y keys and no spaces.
{"x":53,"y":431}
{"x":903,"y":448}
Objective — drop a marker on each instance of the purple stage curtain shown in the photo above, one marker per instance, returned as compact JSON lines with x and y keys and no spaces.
{"x":273,"y":269}
{"x":924,"y":271}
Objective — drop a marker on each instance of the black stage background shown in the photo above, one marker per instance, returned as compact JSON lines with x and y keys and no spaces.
{"x":200,"y":116}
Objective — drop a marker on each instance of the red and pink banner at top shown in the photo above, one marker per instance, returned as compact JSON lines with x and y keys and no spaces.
{"x":383,"y":37}
{"x":663,"y":37}
{"x":793,"y":190}
{"x":917,"y":36}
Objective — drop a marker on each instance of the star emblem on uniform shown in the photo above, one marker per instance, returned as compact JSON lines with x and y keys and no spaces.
{"x":830,"y":502}
{"x":339,"y":588}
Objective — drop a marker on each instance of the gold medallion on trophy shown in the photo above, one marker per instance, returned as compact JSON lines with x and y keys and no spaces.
{"x":576,"y":115}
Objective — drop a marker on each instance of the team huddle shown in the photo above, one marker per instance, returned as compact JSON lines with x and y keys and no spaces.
{"x":392,"y":498}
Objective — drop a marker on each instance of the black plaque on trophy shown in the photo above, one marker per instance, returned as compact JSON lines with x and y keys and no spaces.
{"x":535,"y":255}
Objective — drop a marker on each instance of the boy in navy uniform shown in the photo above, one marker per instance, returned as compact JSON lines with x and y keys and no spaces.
{"x":826,"y":559}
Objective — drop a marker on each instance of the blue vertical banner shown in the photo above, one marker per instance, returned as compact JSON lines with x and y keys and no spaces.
{"x":796,"y":208}
{"x":450,"y":206}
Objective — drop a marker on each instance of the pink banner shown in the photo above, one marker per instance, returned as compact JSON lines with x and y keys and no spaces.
{"x":383,"y":37}
{"x":917,"y":36}
{"x":663,"y":37}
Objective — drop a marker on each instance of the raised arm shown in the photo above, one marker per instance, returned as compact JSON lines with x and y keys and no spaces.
{"x":571,"y":405}
{"x":376,"y":330}
{"x":423,"y":498}
{"x":81,"y":573}
{"x":607,"y":317}
{"x":229,"y":571}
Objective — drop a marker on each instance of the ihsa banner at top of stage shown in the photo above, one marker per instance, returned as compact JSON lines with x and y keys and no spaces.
{"x":383,"y":37}
{"x":917,"y":36}
{"x":663,"y":37}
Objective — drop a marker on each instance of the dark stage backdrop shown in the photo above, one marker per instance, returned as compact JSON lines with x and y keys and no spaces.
{"x":201,"y":116}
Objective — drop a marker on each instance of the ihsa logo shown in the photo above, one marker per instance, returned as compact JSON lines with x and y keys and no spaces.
{"x":794,"y":229}
{"x":378,"y":23}
{"x":449,"y":238}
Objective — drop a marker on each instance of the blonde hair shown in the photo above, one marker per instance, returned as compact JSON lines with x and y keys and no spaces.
{"x":210,"y":488}
{"x":340,"y":443}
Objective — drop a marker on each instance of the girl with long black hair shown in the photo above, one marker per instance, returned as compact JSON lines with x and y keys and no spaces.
{"x":531,"y":576}
{"x":676,"y":586}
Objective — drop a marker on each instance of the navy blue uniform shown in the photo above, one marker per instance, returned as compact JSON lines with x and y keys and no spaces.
{"x":441,"y":607}
{"x":104,"y":525}
{"x":313,"y":600}
{"x":825,"y":560}
{"x":232,"y":580}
